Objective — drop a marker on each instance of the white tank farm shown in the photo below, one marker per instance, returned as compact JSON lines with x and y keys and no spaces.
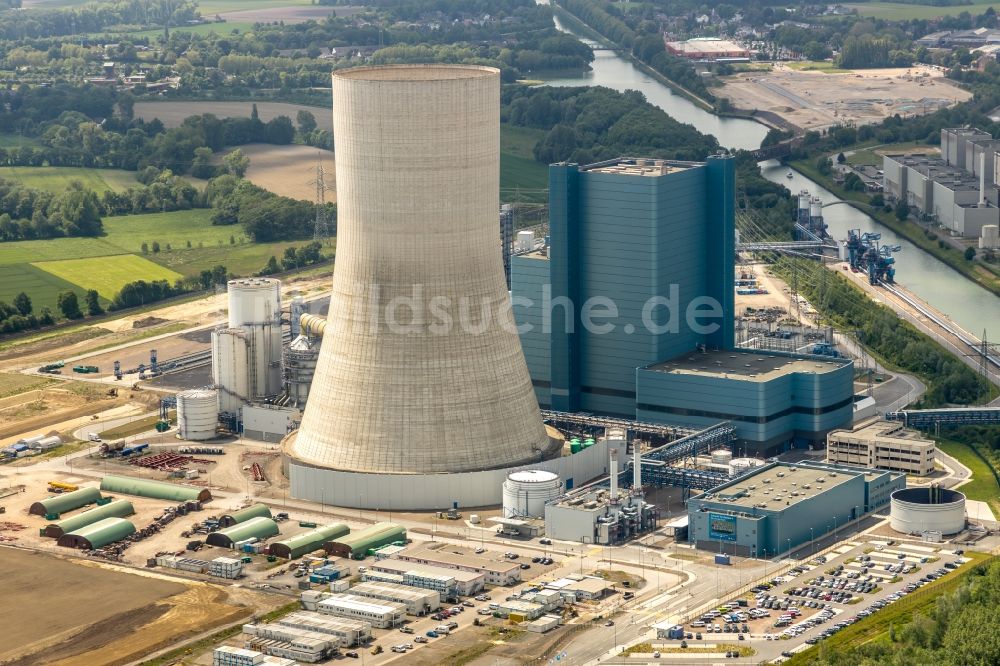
{"x":721,"y":456}
{"x":197,"y":414}
{"x":526,"y":492}
{"x":930,"y":509}
{"x":741,"y":465}
{"x":255,"y":307}
{"x":230,"y":368}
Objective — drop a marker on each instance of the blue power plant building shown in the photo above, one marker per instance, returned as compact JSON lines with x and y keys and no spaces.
{"x":629,"y":309}
{"x":782,"y":506}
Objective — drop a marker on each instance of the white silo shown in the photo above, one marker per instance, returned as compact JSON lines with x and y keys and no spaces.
{"x":230,"y":368}
{"x":404,"y":391}
{"x":526,"y":492}
{"x":255,"y":307}
{"x":197,"y":414}
{"x":721,"y":456}
{"x":740,"y":465}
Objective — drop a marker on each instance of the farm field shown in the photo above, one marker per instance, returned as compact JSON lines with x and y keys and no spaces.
{"x":520,"y":173}
{"x":43,"y":288}
{"x":57,"y":179}
{"x":107,"y":274}
{"x":225,"y":28}
{"x":176,"y":228}
{"x":289,"y":171}
{"x":895,"y":11}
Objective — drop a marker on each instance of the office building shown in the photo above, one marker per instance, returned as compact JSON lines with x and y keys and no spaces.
{"x":883,"y":445}
{"x":497,"y":572}
{"x":416,"y":600}
{"x":379,"y":614}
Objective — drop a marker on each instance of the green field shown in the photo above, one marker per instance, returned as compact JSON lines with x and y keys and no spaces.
{"x":983,"y":486}
{"x":57,"y":179}
{"x":129,"y":232}
{"x":107,"y":274}
{"x":520,"y":175}
{"x":213,"y":7}
{"x":817,"y":66}
{"x":894,"y":11}
{"x":200,"y":29}
{"x":43,"y":288}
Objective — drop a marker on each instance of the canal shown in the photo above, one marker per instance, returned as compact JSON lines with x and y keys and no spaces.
{"x":969,"y":305}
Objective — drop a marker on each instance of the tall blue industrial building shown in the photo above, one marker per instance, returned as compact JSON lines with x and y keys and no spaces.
{"x":644,"y":251}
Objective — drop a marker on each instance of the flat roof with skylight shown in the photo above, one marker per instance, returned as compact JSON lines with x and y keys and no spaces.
{"x":753,"y":366}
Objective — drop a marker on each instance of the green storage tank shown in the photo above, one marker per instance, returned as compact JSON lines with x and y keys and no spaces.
{"x":99,"y":534}
{"x":357,"y":544}
{"x":116,"y":509}
{"x":256,"y":528}
{"x":587,"y":443}
{"x":307,"y":542}
{"x":128,"y":485}
{"x":243,"y":515}
{"x":574,"y":447}
{"x":66,"y":502}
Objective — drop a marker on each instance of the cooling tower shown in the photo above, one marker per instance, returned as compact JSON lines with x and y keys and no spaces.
{"x":412,"y":377}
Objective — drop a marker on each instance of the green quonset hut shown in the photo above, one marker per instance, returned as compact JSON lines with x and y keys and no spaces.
{"x":99,"y":534}
{"x":307,"y":542}
{"x":116,"y":509}
{"x":66,"y":501}
{"x":154,"y":489}
{"x":357,"y":544}
{"x":243,"y":515}
{"x":259,"y":528}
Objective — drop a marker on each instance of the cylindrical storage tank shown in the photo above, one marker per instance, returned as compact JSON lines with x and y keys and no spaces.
{"x":526,"y":492}
{"x":816,"y":208}
{"x":803,"y":200}
{"x":197,"y":414}
{"x":230,"y":368}
{"x":575,"y":446}
{"x":255,"y":307}
{"x":587,"y":443}
{"x":721,"y":456}
{"x":300,"y":366}
{"x":933,"y":509}
{"x":741,"y":465}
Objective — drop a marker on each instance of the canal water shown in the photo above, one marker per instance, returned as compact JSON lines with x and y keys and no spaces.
{"x":969,"y":305}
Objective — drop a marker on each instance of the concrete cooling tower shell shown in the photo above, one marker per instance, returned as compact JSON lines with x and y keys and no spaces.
{"x":403,"y":385}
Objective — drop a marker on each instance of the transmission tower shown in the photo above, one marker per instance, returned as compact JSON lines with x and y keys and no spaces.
{"x":321,"y":230}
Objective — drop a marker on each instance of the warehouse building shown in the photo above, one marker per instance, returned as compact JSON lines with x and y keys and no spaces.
{"x":597,"y":517}
{"x":380,"y":614}
{"x":447,"y":581}
{"x":520,"y":610}
{"x":245,"y":514}
{"x":357,"y":545}
{"x":116,"y":509}
{"x":417,"y":601}
{"x":66,"y":502}
{"x":98,"y":535}
{"x":234,"y":656}
{"x":781,"y":506}
{"x":172,"y":492}
{"x":709,"y":49}
{"x":290,"y":642}
{"x":883,"y":445}
{"x":496,"y":572}
{"x":348,"y":633}
{"x":307,"y":542}
{"x":254,"y":528}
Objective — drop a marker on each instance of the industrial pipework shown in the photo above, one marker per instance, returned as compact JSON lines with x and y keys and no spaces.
{"x":311,"y":325}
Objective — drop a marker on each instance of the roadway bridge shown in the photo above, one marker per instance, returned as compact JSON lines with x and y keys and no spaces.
{"x":957,"y":416}
{"x":778,"y":246}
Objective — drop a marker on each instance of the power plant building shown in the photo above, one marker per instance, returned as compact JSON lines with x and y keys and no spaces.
{"x":885,"y":445}
{"x":629,"y":311}
{"x":781,"y":506}
{"x":413,"y":382}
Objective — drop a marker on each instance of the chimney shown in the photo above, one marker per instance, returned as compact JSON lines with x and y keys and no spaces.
{"x":613,"y":472}
{"x":982,"y":179}
{"x":636,"y":467}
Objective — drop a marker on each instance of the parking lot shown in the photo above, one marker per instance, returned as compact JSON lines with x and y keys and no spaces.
{"x":816,"y":599}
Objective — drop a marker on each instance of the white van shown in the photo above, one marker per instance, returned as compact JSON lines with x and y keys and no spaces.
{"x":443,"y":629}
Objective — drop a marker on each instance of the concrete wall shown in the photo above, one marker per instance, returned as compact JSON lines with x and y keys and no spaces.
{"x":266,"y":423}
{"x":431,"y":491}
{"x":894,"y":179}
{"x":970,"y":221}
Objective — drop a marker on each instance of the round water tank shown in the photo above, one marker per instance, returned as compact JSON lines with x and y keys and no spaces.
{"x":933,"y":509}
{"x":721,"y":456}
{"x":803,"y":200}
{"x":255,"y":307}
{"x":197,"y":414}
{"x":526,"y":492}
{"x":740,"y":465}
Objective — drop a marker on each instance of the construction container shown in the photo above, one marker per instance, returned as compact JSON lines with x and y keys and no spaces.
{"x":722,"y":558}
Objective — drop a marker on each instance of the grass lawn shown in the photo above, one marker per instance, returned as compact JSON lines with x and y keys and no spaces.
{"x":201,"y":29}
{"x":519,"y":172}
{"x":894,"y":11}
{"x":107,"y":274}
{"x":238,"y":259}
{"x":129,"y":232}
{"x":43,"y":288}
{"x":983,"y":486}
{"x":874,"y":154}
{"x":57,"y":179}
{"x":213,"y":7}
{"x":817,"y":66}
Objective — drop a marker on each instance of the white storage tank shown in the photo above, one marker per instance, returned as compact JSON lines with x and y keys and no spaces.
{"x":526,"y":492}
{"x":740,"y":465}
{"x":230,"y":368}
{"x":525,"y":241}
{"x":721,"y":456}
{"x":929,"y":509}
{"x":255,"y":307}
{"x":300,"y":366}
{"x":197,"y":414}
